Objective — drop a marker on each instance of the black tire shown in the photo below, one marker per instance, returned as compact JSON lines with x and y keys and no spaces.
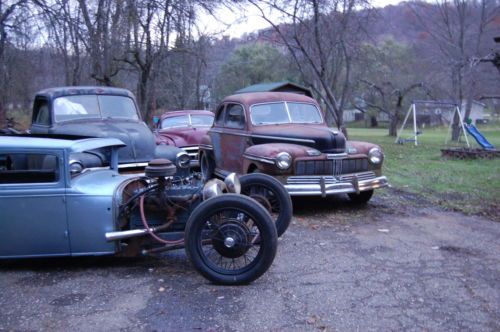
{"x":361,"y":198}
{"x":242,"y":221}
{"x":270,"y":193}
{"x":207,"y":166}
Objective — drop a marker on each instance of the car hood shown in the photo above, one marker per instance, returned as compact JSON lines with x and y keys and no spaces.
{"x":185,"y":136}
{"x":136,"y":135}
{"x":319,"y":137}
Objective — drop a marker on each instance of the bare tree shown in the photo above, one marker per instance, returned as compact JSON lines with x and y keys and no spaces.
{"x":322,"y":37}
{"x":63,"y":21}
{"x":458,"y":31}
{"x":152,"y":25}
{"x":387,"y":74}
{"x":103,"y":28}
{"x":8,"y":12}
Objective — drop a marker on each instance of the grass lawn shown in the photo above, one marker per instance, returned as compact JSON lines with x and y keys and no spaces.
{"x":471,"y":186}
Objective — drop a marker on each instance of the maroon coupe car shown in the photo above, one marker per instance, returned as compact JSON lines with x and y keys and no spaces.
{"x":184,"y":129}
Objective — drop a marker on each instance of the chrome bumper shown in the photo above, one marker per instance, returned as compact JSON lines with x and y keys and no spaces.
{"x":329,"y":185}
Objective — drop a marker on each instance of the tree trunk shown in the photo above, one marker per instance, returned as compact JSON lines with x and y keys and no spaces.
{"x":455,"y":128}
{"x":3,"y":116}
{"x":394,"y":120}
{"x":142,"y":96}
{"x":393,"y":125}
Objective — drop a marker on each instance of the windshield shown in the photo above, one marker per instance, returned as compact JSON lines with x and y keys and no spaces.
{"x":187,"y":120}
{"x":94,"y":107}
{"x":285,"y":112}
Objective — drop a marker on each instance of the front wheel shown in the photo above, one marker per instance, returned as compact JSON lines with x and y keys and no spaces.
{"x":271,"y":194}
{"x":231,"y":239}
{"x":361,"y":198}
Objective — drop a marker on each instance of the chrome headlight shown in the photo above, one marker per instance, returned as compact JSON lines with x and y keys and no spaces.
{"x":283,"y":160}
{"x":375,"y":156}
{"x":75,"y":167}
{"x":182,"y":160}
{"x":212,"y":188}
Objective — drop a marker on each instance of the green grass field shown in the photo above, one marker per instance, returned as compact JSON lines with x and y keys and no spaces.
{"x":471,"y":186}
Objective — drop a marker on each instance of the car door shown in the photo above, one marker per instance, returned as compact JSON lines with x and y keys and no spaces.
{"x":234,"y":138}
{"x":33,"y":218}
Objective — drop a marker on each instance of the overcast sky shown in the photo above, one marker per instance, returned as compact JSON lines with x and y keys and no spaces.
{"x":247,"y":20}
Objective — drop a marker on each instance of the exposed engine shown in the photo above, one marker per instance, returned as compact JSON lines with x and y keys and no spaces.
{"x":160,"y":203}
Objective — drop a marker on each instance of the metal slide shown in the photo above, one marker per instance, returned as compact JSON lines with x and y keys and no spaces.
{"x":480,"y":139}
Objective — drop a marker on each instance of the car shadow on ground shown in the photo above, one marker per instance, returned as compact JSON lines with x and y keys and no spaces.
{"x":171,"y":260}
{"x":335,"y":203}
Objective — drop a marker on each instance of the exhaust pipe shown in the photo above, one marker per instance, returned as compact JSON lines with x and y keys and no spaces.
{"x":114,"y":236}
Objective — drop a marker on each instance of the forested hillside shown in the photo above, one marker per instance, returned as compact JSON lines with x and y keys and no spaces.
{"x":349,"y":53}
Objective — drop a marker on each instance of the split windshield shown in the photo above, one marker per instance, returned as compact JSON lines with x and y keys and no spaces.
{"x":187,"y":120}
{"x":284,"y":112}
{"x":94,"y":107}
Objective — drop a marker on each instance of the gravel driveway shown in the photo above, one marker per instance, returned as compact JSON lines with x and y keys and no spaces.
{"x":396,"y":264}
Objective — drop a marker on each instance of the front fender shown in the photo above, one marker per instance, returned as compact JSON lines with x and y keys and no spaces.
{"x":358,"y":147}
{"x":271,"y":150}
{"x":262,"y":156}
{"x":206,"y":142}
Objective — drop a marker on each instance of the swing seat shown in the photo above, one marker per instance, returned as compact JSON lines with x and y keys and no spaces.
{"x":405,"y":140}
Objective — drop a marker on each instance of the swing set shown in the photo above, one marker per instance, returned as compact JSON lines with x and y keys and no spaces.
{"x":425,"y":104}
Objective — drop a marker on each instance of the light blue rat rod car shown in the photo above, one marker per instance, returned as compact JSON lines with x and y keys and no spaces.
{"x":51,"y":208}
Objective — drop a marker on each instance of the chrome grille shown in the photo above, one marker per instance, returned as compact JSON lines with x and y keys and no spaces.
{"x":359,"y":176}
{"x":331,"y":166}
{"x":192,"y":151}
{"x":329,"y":179}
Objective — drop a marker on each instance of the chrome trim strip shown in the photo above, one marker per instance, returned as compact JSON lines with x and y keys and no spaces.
{"x":206,"y":147}
{"x":132,"y":165}
{"x":299,"y":140}
{"x":336,"y":155}
{"x":261,"y":159}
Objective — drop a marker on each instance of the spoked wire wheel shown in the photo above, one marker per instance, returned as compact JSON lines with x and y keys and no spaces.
{"x":231,"y":239}
{"x":271,"y":194}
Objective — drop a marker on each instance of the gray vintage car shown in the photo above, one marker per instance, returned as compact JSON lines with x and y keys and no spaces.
{"x":49,"y":208}
{"x":92,"y":111}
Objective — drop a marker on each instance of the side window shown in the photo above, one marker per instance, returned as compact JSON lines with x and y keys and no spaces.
{"x":235,"y":117}
{"x":219,"y":117}
{"x":42,"y":114}
{"x":28,"y":168}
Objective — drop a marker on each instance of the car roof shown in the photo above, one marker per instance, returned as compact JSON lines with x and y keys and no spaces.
{"x":184,"y":112}
{"x":26,"y":142}
{"x":84,"y":90}
{"x":268,"y":97}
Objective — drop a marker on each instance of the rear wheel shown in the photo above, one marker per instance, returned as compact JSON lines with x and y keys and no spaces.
{"x":231,"y":239}
{"x":271,"y":194}
{"x":361,"y":198}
